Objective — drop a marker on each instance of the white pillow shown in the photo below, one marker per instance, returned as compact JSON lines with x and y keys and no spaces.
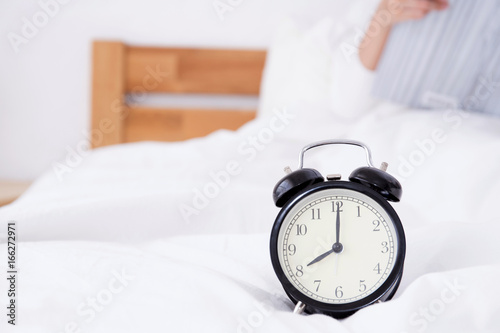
{"x":298,"y":67}
{"x":308,"y":66}
{"x":350,"y":91}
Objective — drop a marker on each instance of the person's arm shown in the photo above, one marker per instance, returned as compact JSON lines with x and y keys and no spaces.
{"x":388,"y":13}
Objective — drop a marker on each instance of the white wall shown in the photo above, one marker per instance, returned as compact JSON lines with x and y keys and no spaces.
{"x":45,"y":85}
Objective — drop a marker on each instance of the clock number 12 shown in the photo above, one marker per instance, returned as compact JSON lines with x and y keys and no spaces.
{"x":336,"y":206}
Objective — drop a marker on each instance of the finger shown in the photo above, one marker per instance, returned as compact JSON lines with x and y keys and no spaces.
{"x":442,"y":4}
{"x":426,"y":4}
{"x":418,"y":4}
{"x":411,"y":9}
{"x":438,"y":4}
{"x":413,"y":13}
{"x":398,"y":7}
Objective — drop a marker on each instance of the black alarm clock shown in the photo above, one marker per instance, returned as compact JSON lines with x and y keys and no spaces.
{"x":337,"y":246}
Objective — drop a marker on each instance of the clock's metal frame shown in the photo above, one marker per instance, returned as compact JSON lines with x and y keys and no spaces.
{"x":368,"y":152}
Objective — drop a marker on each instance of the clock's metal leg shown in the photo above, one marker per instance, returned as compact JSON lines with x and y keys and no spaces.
{"x":299,"y":308}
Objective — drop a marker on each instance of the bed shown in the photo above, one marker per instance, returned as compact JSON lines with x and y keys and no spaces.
{"x":125,"y":74}
{"x":148,"y":235}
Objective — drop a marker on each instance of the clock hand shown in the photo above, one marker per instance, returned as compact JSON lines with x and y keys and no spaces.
{"x":321,"y":257}
{"x":338,"y":247}
{"x":338,"y":225}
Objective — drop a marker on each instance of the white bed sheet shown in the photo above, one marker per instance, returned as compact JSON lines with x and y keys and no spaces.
{"x":111,"y":232}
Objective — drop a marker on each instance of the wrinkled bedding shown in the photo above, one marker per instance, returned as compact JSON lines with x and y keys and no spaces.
{"x":174,"y":237}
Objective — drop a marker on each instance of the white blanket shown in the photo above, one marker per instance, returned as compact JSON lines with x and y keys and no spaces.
{"x":110,"y":248}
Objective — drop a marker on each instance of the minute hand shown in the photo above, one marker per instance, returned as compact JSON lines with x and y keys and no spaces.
{"x":338,"y":247}
{"x":338,"y":225}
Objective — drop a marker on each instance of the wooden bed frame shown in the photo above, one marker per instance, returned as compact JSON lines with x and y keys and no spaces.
{"x":121,"y":70}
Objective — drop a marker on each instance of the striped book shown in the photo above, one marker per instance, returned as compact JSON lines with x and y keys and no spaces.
{"x":449,"y":59}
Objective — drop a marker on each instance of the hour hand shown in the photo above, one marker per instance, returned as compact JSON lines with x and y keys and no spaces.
{"x":321,"y":257}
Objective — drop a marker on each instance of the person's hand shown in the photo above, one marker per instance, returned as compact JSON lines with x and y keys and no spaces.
{"x":405,"y":10}
{"x":390,"y":12}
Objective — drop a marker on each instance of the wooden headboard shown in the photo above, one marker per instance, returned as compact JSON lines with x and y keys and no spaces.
{"x":121,"y":70}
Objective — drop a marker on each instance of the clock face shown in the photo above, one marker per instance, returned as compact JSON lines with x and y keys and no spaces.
{"x":337,"y":246}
